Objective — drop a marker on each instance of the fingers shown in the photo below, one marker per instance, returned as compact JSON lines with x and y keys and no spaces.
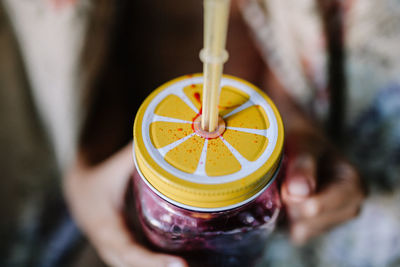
{"x":300,"y":180}
{"x":112,"y":175}
{"x":303,"y":230}
{"x":122,"y":160}
{"x":337,"y":202}
{"x":116,"y":171}
{"x":116,"y":247}
{"x":118,"y":165}
{"x":141,"y":257}
{"x":342,"y":192}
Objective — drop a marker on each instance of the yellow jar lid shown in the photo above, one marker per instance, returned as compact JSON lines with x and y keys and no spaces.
{"x":207,"y":173}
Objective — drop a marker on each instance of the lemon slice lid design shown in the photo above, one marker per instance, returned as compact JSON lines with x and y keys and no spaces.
{"x":201,"y":173}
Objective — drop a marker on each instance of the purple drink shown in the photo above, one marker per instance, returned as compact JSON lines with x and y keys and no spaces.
{"x":227,"y":238}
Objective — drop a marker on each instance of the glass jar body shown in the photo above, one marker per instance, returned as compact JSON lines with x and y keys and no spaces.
{"x":234,"y":237}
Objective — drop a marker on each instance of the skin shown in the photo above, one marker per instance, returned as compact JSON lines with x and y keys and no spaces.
{"x":315,"y":204}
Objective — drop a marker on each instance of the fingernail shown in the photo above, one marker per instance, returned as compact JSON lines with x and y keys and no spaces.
{"x":174,"y":263}
{"x":298,"y":186}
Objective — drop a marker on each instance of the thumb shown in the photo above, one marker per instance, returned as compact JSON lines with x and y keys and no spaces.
{"x":300,"y":181}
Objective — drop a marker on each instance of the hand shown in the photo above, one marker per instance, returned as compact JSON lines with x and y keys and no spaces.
{"x":95,"y":196}
{"x":320,"y":190}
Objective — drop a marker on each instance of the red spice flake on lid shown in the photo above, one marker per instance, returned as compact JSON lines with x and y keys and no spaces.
{"x":197,"y":115}
{"x":180,"y":129}
{"x":197,"y":96}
